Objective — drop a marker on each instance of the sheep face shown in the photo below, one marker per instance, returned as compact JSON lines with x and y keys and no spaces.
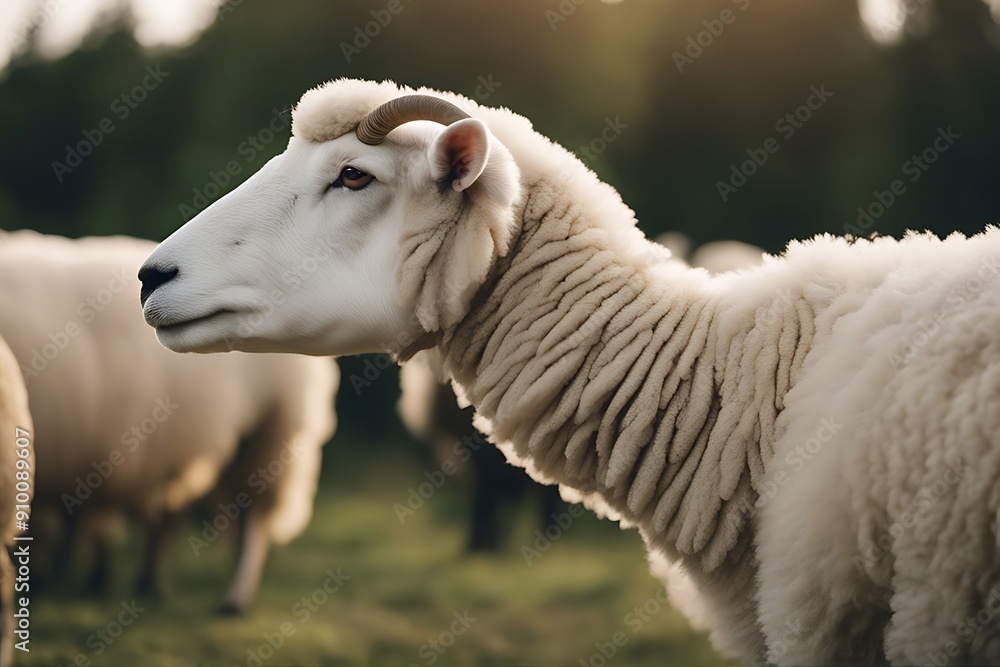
{"x":326,"y":250}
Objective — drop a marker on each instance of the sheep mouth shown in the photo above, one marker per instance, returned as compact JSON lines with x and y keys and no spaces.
{"x":214,"y":332}
{"x":170,"y":327}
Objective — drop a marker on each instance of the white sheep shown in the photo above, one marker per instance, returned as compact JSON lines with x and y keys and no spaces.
{"x":714,"y":256}
{"x":816,"y":441}
{"x":124,"y":425}
{"x":722,"y":256}
{"x":16,"y":488}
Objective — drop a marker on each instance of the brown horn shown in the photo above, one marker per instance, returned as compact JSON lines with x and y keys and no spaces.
{"x":392,"y":114}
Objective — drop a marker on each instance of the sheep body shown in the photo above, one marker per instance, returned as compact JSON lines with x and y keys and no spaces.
{"x":653,"y":393}
{"x":706,"y":367}
{"x":125,"y":425}
{"x":665,"y":397}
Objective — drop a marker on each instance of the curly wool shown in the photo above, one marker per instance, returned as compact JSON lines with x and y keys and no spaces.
{"x":610,"y":380}
{"x":654,"y":394}
{"x":657,"y":394}
{"x":762,"y":429}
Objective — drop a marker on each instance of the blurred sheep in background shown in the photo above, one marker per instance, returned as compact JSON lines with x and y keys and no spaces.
{"x":714,"y":256}
{"x":126,"y":427}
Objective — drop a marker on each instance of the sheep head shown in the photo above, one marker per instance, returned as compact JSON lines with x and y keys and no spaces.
{"x":376,"y":225}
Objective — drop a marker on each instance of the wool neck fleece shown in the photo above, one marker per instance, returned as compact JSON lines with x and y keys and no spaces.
{"x":626,"y":383}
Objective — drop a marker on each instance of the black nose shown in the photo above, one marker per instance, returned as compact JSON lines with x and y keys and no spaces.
{"x":152,"y":277}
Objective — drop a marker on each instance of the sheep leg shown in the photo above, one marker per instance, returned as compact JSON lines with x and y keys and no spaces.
{"x":100,"y":569}
{"x":60,"y":540}
{"x":6,"y":609}
{"x":551,"y":504}
{"x":484,"y":535}
{"x":254,"y":545}
{"x":158,"y":541}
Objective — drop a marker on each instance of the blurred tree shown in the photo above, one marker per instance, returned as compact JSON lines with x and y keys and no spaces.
{"x":663,"y":99}
{"x":685,"y":94}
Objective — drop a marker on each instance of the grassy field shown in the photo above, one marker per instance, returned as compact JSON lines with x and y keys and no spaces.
{"x":399,"y":587}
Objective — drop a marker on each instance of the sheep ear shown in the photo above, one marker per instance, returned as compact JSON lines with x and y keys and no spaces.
{"x":459,"y":153}
{"x":443,"y":259}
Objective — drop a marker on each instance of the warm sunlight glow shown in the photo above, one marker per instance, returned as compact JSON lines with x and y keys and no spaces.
{"x":172,"y":23}
{"x":994,"y":9}
{"x":62,"y":25}
{"x":885,"y":19}
{"x":68,"y":23}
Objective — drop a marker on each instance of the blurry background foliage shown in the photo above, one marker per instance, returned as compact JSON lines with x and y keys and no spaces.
{"x":681,"y":105}
{"x":568,"y":75}
{"x":663,"y":99}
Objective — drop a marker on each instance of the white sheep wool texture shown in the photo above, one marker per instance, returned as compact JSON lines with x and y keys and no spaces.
{"x":814,"y":442}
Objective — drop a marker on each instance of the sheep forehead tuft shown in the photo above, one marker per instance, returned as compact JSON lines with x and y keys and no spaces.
{"x":337,"y":107}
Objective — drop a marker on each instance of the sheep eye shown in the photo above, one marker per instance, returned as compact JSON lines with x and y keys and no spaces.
{"x":352,"y":178}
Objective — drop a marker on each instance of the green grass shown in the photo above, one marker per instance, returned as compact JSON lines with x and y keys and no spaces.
{"x":406,"y":583}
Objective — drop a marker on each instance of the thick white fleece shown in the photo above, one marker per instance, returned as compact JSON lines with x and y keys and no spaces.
{"x":659,"y":396}
{"x":760,"y":428}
